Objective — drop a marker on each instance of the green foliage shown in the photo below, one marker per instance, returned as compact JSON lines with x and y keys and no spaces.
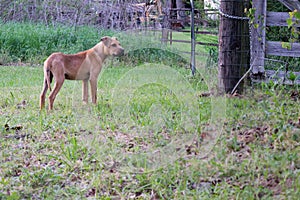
{"x":212,"y":59}
{"x":292,"y":21}
{"x":154,"y":55}
{"x":274,"y":5}
{"x":28,"y":42}
{"x":292,"y":76}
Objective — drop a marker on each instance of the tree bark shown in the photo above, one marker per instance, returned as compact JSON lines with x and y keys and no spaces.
{"x":234,"y":45}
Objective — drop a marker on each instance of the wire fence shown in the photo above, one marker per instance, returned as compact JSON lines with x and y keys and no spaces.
{"x":130,"y":14}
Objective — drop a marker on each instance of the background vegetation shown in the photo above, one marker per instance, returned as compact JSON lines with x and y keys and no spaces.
{"x":28,"y":42}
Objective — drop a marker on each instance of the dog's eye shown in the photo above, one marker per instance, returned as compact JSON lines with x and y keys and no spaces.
{"x":114,"y":45}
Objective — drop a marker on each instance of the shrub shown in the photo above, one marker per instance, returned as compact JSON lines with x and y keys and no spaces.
{"x":28,"y":42}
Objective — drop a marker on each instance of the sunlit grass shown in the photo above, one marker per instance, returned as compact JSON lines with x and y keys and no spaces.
{"x":77,"y":142}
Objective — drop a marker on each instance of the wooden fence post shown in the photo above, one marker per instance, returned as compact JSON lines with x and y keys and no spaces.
{"x":258,"y":37}
{"x":234,"y":45}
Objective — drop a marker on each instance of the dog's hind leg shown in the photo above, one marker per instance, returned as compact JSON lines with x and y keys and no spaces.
{"x":59,"y":77}
{"x":48,"y":76}
{"x":43,"y":94}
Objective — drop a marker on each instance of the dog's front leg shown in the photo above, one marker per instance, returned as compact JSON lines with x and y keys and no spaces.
{"x":85,"y":92}
{"x":93,"y":83}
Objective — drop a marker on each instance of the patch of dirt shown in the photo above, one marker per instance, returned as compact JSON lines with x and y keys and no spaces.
{"x":235,"y":95}
{"x":15,"y":132}
{"x":295,"y":124}
{"x":254,"y":134}
{"x":274,"y":184}
{"x":22,"y":105}
{"x":295,"y":95}
{"x":21,"y":64}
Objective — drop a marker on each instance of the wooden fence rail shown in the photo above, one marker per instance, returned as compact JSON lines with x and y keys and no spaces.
{"x":175,"y":25}
{"x":261,"y":47}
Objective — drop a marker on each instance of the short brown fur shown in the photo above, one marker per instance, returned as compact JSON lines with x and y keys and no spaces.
{"x":84,"y":66}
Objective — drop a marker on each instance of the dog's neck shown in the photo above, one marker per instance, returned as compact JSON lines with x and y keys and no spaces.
{"x":99,"y":50}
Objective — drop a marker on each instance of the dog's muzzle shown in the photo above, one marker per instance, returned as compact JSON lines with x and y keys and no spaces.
{"x":120,"y":52}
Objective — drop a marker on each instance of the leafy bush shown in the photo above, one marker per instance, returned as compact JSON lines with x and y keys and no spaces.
{"x":28,"y":42}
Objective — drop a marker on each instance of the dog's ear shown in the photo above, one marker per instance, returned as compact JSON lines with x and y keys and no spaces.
{"x":106,"y":40}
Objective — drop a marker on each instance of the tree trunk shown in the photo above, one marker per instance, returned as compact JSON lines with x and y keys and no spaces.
{"x":180,"y":14}
{"x":234,"y":45}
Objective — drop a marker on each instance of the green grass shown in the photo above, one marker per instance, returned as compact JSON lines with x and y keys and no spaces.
{"x":149,"y":136}
{"x":80,"y":151}
{"x":201,"y":50}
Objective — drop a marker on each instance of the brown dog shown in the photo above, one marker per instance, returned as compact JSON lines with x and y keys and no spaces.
{"x":84,"y":66}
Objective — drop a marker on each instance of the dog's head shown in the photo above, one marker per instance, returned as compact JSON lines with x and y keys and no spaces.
{"x":112,"y":46}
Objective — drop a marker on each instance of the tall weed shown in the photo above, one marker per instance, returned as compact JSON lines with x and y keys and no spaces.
{"x":28,"y":42}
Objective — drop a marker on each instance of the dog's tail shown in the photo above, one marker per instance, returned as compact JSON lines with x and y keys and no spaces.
{"x":47,"y":73}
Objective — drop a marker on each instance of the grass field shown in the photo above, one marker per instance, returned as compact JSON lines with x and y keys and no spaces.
{"x":80,"y":151}
{"x":155,"y":133}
